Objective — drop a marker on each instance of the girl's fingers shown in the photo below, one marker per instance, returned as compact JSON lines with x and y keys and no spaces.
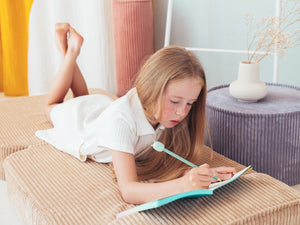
{"x":225,"y":170}
{"x":224,"y":173}
{"x":225,"y":176}
{"x":200,"y":177}
{"x":200,"y":174}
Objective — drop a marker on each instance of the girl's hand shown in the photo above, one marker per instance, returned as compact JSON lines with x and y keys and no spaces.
{"x":197,"y":178}
{"x":224,"y":173}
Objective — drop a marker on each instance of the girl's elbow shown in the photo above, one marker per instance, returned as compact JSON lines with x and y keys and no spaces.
{"x":129,"y":196}
{"x":127,"y":199}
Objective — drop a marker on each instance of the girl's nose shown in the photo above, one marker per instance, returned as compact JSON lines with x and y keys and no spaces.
{"x":177,"y":113}
{"x":181,"y":110}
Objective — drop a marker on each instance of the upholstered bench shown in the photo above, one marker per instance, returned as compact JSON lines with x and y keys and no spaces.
{"x":20,"y":118}
{"x":48,"y":186}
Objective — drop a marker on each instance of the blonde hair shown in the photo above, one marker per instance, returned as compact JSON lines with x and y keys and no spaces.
{"x":166,"y":65}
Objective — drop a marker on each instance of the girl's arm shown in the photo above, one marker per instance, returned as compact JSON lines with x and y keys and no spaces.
{"x":136,"y":192}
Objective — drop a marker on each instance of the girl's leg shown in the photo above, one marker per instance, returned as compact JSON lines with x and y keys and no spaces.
{"x":68,"y":75}
{"x":78,"y":85}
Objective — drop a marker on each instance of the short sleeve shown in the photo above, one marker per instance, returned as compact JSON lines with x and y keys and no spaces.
{"x":117,"y":134}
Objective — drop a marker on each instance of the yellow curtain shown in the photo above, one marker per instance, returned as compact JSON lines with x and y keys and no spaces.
{"x":1,"y":64}
{"x":14,"y":20}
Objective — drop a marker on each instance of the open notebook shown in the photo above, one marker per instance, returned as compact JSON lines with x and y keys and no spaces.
{"x":189,"y":194}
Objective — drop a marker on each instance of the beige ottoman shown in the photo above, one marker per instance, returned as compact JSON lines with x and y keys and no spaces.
{"x":20,"y":118}
{"x":48,"y":186}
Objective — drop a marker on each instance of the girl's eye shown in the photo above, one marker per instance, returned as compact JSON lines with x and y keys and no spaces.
{"x":174,"y":102}
{"x":190,"y":103}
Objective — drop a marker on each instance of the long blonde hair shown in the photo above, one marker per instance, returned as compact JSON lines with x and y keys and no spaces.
{"x":166,"y":65}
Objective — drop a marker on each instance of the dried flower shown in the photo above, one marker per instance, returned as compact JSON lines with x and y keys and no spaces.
{"x":273,"y":35}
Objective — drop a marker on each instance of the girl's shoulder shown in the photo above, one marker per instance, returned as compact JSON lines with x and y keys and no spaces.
{"x":123,"y":108}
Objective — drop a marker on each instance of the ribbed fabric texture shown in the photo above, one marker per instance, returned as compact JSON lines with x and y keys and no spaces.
{"x":47,"y":186}
{"x":133,"y":39}
{"x":265,"y":134}
{"x":20,"y":118}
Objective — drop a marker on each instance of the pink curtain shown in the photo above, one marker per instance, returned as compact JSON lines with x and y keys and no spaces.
{"x":133,"y":39}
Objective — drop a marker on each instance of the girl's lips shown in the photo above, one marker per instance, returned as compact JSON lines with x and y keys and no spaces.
{"x":174,"y":122}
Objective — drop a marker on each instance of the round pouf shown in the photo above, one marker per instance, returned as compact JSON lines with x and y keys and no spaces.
{"x":265,"y":134}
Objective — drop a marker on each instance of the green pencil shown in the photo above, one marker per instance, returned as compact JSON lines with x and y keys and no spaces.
{"x":160,"y":147}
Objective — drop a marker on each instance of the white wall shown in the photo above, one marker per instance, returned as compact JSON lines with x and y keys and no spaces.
{"x":221,"y":24}
{"x":93,"y":20}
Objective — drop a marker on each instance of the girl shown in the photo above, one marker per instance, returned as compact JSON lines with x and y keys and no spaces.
{"x":167,"y":104}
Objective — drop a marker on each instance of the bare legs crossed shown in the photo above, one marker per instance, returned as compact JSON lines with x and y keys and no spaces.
{"x":68,"y":42}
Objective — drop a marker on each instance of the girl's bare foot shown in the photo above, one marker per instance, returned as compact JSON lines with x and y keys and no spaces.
{"x":61,"y":37}
{"x":74,"y":42}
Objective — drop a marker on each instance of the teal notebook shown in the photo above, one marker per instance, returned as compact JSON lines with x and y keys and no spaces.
{"x":188,"y":194}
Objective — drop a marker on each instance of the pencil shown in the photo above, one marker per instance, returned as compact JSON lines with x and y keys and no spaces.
{"x":158,"y":146}
{"x":217,"y":178}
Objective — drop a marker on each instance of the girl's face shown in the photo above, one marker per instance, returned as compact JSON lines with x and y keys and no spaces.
{"x":177,"y":101}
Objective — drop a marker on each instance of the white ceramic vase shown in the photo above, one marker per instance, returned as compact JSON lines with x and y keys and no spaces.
{"x":248,"y":87}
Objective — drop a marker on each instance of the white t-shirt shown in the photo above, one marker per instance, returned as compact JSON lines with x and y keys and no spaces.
{"x":91,"y":125}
